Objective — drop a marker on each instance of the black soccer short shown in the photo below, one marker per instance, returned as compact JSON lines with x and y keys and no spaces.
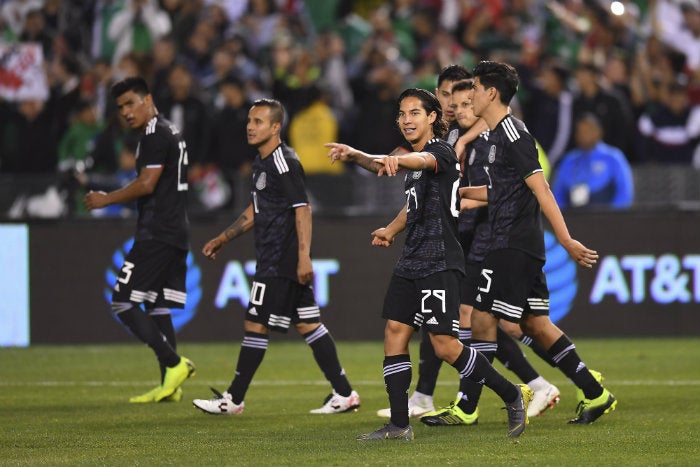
{"x":512,"y":284}
{"x":431,"y":302}
{"x":278,"y":302}
{"x":153,"y":274}
{"x":470,"y":283}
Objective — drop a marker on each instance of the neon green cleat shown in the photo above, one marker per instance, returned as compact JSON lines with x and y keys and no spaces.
{"x":174,"y":397}
{"x":147,"y":397}
{"x":451,"y":415}
{"x":150,"y":396}
{"x":580,"y":397}
{"x":174,"y":377}
{"x":589,"y":410}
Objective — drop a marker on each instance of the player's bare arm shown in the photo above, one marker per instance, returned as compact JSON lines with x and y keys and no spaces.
{"x":390,"y":165}
{"x":143,"y":185}
{"x":241,"y":225}
{"x":474,"y":193}
{"x":305,"y":271}
{"x":384,"y":236}
{"x":539,"y":186}
{"x":345,"y":153}
{"x":474,"y":131}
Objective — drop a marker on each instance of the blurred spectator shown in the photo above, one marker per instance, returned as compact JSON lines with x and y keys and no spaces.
{"x":199,"y":49}
{"x":260,"y":23}
{"x":64,"y":81}
{"x":102,"y":14}
{"x":28,"y":138}
{"x":189,"y":113}
{"x":611,"y":109}
{"x":329,"y":52}
{"x":77,"y":144}
{"x":686,"y":38}
{"x":548,"y":111}
{"x":671,"y":130}
{"x":164,"y":56}
{"x":183,"y":15}
{"x":310,"y":129}
{"x":230,"y":151}
{"x":14,"y":13}
{"x":123,"y":175}
{"x":593,"y":174}
{"x":34,"y":30}
{"x":136,"y":26}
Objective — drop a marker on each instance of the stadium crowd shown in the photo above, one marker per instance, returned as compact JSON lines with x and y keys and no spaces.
{"x":338,"y":67}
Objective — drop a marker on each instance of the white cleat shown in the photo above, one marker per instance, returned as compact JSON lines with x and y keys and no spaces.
{"x":335,"y":403}
{"x":222,"y":404}
{"x":418,"y":405}
{"x":543,"y":399}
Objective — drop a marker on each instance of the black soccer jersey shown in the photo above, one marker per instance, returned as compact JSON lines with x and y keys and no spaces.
{"x":514,"y":213}
{"x":162,"y":215}
{"x":278,"y":188}
{"x":432,"y":207}
{"x":476,"y":173}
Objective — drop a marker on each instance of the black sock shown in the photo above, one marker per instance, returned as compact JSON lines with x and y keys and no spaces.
{"x":539,"y":351}
{"x":164,"y":321}
{"x":429,"y":366}
{"x":326,"y":356}
{"x":251,"y":355}
{"x":397,"y":379}
{"x":475,"y":366}
{"x":563,"y":352}
{"x":513,"y":358}
{"x":145,"y":329}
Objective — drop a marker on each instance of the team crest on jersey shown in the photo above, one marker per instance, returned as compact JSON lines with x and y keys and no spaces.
{"x":261,"y":182}
{"x":472,"y":156}
{"x":417,"y":174}
{"x":452,"y":137}
{"x":492,"y":154}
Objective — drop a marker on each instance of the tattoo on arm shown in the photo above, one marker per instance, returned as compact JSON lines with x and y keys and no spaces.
{"x":237,"y":228}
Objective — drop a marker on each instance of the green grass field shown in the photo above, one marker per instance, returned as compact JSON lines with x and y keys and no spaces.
{"x":68,"y":405}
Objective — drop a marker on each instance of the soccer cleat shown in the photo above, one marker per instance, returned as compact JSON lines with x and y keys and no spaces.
{"x":517,"y":411}
{"x":589,"y":410}
{"x":335,"y":403}
{"x":147,"y":397}
{"x":451,"y":415}
{"x":542,"y":400}
{"x":174,"y":397}
{"x":222,"y":404}
{"x":174,"y":377}
{"x":418,"y":405}
{"x":389,"y":431}
{"x":580,"y":397}
{"x":150,"y":396}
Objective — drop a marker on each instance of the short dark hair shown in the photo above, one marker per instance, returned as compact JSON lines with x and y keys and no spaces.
{"x":463,"y":85}
{"x":453,"y":73}
{"x":132,"y":83}
{"x":430,"y":104}
{"x":499,"y":75}
{"x":275,"y":106}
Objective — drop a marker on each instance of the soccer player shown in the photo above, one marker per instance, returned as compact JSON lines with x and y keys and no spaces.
{"x":281,"y":295}
{"x":512,"y":285}
{"x":424,"y":288}
{"x":153,"y":274}
{"x":472,"y":150}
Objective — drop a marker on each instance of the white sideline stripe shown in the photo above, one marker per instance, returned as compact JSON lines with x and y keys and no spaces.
{"x":377,"y":382}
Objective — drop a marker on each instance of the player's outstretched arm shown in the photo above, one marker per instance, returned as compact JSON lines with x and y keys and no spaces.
{"x":345,"y":153}
{"x":539,"y":186}
{"x":241,"y":225}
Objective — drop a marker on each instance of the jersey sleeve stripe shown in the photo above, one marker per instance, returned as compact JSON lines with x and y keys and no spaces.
{"x":532,"y":173}
{"x":510,"y":129}
{"x":280,"y":161}
{"x":151,"y":127}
